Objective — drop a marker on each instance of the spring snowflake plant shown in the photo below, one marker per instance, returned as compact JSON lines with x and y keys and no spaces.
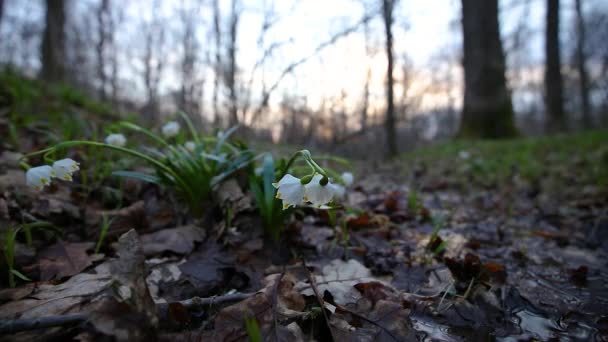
{"x":318,"y":187}
{"x":192,"y":170}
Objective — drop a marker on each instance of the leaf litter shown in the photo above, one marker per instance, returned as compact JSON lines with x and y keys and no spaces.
{"x":514,"y":264}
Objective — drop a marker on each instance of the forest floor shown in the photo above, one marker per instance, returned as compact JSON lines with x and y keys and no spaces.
{"x":465,"y":241}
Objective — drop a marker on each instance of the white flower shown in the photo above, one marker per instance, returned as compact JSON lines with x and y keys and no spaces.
{"x":464,"y":154}
{"x":339,"y":190}
{"x":190,"y":146}
{"x":291,"y":190}
{"x":348,"y":178}
{"x":64,"y":168}
{"x":116,"y":140}
{"x":39,"y":177}
{"x":318,"y":194}
{"x":170,"y":129}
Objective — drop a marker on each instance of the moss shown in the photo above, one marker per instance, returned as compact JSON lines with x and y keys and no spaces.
{"x":580,"y":157}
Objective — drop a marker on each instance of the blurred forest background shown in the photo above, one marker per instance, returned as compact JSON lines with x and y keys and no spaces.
{"x":385,"y":75}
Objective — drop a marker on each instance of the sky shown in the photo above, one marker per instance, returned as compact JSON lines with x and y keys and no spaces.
{"x":427,"y":40}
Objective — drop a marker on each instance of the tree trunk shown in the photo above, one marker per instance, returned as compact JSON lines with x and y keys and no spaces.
{"x":553,"y":76}
{"x":103,"y":22}
{"x":1,"y":10}
{"x":53,"y":42}
{"x":391,"y":134}
{"x":218,"y":62}
{"x":581,"y":59}
{"x":231,"y":72}
{"x":487,"y":111}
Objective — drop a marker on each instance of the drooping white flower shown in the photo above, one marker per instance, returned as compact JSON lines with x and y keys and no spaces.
{"x":190,"y":146}
{"x":318,"y":194}
{"x":116,"y":139}
{"x":348,"y":178}
{"x":170,"y":129}
{"x":39,"y":177}
{"x":290,"y":190}
{"x":464,"y":154}
{"x":339,"y":190}
{"x":64,"y":168}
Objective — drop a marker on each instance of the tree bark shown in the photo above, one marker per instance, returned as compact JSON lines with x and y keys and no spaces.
{"x":391,"y":134}
{"x":53,"y":42}
{"x":581,"y":59}
{"x":218,"y":62}
{"x":233,"y":118}
{"x":103,"y":23}
{"x":1,"y":10}
{"x":487,"y":111}
{"x":553,"y":76}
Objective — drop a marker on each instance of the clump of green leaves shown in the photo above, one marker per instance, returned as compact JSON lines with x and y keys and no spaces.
{"x":192,"y":173}
{"x":270,"y":208}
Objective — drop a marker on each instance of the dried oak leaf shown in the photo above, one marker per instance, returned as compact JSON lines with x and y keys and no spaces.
{"x":388,"y":321}
{"x":339,"y":278}
{"x":64,"y":259}
{"x":275,"y":301}
{"x":180,"y":240}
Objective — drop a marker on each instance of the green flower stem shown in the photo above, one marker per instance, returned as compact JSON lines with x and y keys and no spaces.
{"x":134,"y":153}
{"x":144,"y":131}
{"x":190,"y":125}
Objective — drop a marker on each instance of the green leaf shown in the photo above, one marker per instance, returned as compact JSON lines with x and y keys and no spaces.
{"x":20,"y":275}
{"x":253,"y":330}
{"x":138,"y":175}
{"x":268,"y":179}
{"x":223,"y":139}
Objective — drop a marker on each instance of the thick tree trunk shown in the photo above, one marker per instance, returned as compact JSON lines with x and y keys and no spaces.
{"x":487,"y":111}
{"x":218,"y":62}
{"x":231,"y":72}
{"x":581,"y":59}
{"x":53,"y":42}
{"x":391,"y":134}
{"x":1,"y":10}
{"x":553,"y":76}
{"x":103,"y":22}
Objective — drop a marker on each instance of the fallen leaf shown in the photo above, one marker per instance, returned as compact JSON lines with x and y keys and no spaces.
{"x":281,"y":299}
{"x":49,"y":300}
{"x":339,"y":278}
{"x":388,"y":321}
{"x":180,"y":240}
{"x":64,"y":259}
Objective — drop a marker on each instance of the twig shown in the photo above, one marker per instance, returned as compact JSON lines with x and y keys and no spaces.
{"x":313,"y":284}
{"x":273,"y":304}
{"x":198,"y":302}
{"x":23,"y":324}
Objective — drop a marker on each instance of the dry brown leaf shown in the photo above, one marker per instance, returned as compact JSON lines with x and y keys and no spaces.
{"x":64,"y":259}
{"x":178,"y":240}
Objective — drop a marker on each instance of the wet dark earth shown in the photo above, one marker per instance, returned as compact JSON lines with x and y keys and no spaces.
{"x":441,"y":260}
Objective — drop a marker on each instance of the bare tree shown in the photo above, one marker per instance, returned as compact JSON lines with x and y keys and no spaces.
{"x":153,"y":61}
{"x":391,"y":130}
{"x":103,"y":26}
{"x":53,"y":42}
{"x":231,"y":69}
{"x":487,"y":111}
{"x":581,"y":60}
{"x":1,"y":10}
{"x":553,"y":76}
{"x":218,"y":74}
{"x":190,"y":92}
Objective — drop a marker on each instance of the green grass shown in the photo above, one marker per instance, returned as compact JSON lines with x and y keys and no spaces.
{"x":581,"y":158}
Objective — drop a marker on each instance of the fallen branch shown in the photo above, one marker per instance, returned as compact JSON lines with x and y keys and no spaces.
{"x":16,"y":325}
{"x":13,"y":326}
{"x":313,"y":284}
